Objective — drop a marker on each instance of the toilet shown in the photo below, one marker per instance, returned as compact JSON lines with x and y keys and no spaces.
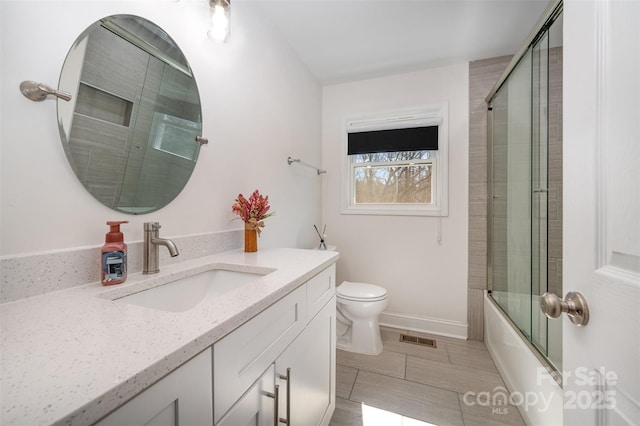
{"x":358,"y":308}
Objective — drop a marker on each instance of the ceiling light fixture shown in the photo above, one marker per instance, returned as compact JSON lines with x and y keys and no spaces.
{"x":220,"y":13}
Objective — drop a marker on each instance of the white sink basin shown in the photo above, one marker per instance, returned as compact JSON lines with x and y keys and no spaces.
{"x":184,"y":294}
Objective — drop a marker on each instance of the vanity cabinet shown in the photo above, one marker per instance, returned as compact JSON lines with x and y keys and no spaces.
{"x":279,"y":365}
{"x":305,"y":372}
{"x":294,"y":336}
{"x":183,"y":397}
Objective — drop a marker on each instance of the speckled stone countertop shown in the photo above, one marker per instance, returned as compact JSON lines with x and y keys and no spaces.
{"x":74,"y":355}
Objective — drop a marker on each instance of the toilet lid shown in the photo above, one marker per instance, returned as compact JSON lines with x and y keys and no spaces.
{"x":360,"y":291}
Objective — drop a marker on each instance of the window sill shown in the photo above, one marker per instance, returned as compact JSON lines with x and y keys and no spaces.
{"x":380,"y":210}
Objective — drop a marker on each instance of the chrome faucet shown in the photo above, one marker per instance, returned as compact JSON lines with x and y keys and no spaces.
{"x":152,"y":241}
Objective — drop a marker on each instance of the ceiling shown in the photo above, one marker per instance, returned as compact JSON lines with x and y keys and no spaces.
{"x":343,"y":40}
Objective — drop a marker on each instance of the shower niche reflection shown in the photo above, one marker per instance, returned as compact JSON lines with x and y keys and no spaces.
{"x":525,"y":208}
{"x":132,"y":130}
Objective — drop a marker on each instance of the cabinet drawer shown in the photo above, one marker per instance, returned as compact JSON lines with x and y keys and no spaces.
{"x":320,"y":289}
{"x":242,"y":356}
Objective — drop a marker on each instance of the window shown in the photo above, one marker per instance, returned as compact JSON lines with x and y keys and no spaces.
{"x":393,"y":177}
{"x":396,"y":164}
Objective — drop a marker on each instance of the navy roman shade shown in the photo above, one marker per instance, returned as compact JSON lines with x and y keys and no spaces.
{"x":394,"y":140}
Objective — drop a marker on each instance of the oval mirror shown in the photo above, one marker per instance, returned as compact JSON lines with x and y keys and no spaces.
{"x":130,"y":129}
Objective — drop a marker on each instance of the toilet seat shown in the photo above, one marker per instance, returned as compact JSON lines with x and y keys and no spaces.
{"x":360,"y":292}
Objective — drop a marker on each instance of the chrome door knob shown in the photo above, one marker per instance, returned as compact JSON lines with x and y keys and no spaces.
{"x":574,"y":305}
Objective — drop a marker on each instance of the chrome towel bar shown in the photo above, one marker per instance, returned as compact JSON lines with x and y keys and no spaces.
{"x":297,"y":160}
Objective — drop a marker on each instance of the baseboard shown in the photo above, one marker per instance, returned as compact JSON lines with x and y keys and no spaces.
{"x":425,"y":325}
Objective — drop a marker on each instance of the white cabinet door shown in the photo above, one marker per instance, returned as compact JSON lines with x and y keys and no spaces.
{"x":257,"y":406}
{"x":183,"y":398}
{"x":305,"y":372}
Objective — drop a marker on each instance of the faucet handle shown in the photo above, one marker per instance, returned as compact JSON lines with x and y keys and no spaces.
{"x":152,"y":226}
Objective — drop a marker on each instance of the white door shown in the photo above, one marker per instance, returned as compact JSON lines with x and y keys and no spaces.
{"x":602,"y":210}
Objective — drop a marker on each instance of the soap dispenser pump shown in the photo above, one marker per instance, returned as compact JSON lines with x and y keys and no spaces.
{"x":114,"y":256}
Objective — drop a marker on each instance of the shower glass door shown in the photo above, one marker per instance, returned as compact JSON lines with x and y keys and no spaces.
{"x":539,"y":187}
{"x":526,"y":191}
{"x":511,"y":210}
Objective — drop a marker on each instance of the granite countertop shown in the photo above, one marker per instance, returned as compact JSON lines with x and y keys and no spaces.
{"x":73,"y":356}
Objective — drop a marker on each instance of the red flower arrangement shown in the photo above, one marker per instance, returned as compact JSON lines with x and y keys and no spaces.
{"x":252,"y":211}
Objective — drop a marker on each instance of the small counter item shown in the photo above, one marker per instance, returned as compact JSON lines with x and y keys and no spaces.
{"x":114,"y":256}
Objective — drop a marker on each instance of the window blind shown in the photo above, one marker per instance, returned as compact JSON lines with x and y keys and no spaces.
{"x":393,"y":140}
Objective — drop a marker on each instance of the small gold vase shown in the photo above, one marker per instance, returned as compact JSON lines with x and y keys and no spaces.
{"x":250,"y":239}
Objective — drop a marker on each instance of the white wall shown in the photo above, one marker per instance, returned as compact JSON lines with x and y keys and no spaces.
{"x":426,"y":281}
{"x":259,"y":105}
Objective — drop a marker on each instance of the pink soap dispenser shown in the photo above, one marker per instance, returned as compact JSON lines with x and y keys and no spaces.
{"x":114,"y":256}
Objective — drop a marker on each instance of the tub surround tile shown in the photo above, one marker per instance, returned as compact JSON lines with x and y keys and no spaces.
{"x":475,"y":314}
{"x":477,"y":271}
{"x":478,"y":188}
{"x":72,"y":356}
{"x":478,"y":208}
{"x":478,"y":231}
{"x":483,"y":75}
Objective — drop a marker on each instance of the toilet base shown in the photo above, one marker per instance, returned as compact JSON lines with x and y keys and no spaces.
{"x":367,"y":342}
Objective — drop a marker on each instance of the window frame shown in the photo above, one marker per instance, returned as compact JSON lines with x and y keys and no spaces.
{"x":428,"y":115}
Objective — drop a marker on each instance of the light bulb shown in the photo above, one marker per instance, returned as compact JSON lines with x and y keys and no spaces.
{"x":219,"y":24}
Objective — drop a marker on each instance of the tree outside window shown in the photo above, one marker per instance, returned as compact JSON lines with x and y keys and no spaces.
{"x":404,"y":177}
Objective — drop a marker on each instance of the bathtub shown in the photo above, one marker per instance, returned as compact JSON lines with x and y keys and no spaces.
{"x":531,"y":384}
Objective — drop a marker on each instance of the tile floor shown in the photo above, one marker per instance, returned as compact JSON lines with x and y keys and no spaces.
{"x":415,"y":385}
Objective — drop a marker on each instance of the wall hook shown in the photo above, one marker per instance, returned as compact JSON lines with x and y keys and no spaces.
{"x":38,"y":92}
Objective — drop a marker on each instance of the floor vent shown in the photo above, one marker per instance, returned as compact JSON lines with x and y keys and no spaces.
{"x":418,"y":341}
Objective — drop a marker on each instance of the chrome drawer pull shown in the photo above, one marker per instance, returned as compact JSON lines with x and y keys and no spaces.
{"x":288,"y":379}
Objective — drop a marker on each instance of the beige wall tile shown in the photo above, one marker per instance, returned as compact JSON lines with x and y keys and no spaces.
{"x":475,"y":314}
{"x":483,"y":75}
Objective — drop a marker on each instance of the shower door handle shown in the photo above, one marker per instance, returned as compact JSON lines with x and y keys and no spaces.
{"x":574,"y":305}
